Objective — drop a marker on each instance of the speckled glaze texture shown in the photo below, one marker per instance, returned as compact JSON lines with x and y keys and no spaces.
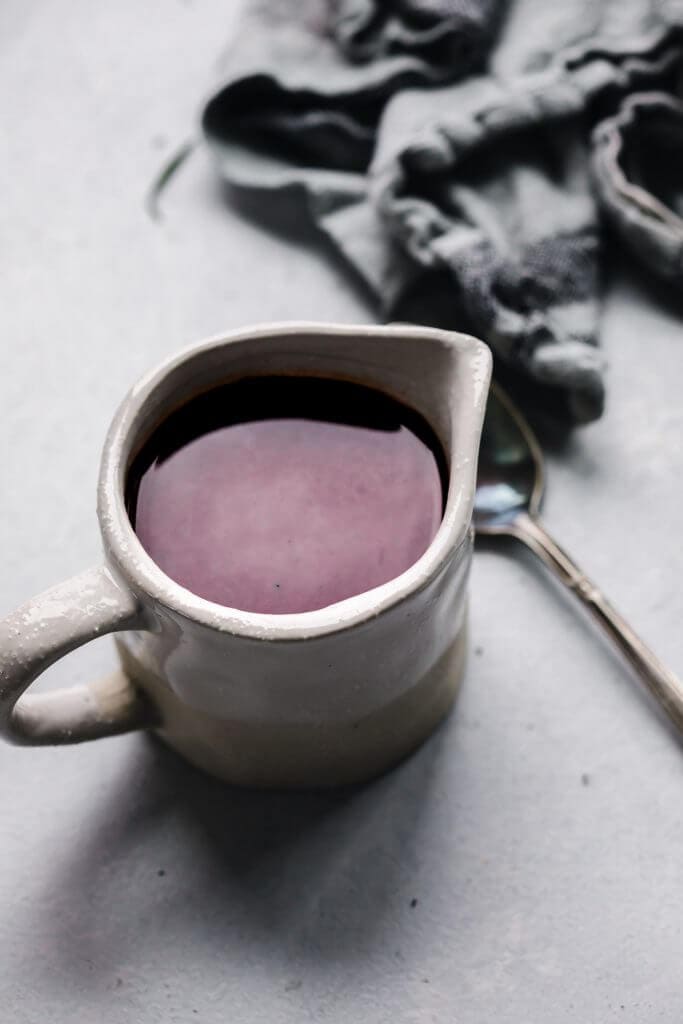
{"x":322,"y":698}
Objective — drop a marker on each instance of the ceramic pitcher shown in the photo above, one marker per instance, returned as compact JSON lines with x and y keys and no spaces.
{"x":321,"y":698}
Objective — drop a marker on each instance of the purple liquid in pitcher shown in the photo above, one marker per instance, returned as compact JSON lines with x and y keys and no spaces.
{"x":287,"y":494}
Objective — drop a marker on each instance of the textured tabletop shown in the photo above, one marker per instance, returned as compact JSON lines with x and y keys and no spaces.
{"x":526,"y":866}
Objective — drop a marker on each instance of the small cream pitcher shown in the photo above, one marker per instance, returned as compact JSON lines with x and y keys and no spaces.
{"x":321,"y":698}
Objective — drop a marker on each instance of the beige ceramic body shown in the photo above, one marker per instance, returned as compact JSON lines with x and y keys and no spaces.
{"x":323,"y":698}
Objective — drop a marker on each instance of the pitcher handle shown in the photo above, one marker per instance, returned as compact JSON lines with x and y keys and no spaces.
{"x":41,"y":632}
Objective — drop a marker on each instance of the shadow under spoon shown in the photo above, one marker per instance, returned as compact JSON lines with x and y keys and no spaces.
{"x":508,"y":497}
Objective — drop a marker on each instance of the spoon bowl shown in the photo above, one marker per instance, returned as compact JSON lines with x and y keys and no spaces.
{"x":510,"y":477}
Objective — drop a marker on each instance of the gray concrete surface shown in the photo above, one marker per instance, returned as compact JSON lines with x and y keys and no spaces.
{"x":526,"y":865}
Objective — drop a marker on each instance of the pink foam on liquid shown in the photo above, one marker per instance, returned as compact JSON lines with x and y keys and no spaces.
{"x":290,"y":515}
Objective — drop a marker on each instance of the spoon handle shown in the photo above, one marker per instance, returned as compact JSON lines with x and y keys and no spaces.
{"x":662,"y":683}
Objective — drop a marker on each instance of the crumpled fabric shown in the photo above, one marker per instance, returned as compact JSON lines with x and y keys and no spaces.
{"x":638,"y":171}
{"x":445,"y":33}
{"x":451,"y":151}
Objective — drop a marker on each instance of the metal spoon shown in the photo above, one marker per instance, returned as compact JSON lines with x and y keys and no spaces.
{"x":508,"y":497}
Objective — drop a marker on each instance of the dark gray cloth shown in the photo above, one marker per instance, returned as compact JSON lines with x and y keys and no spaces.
{"x":638,"y":170}
{"x":443,"y":146}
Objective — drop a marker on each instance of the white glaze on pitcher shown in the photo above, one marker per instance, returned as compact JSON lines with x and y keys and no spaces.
{"x":320,"y":698}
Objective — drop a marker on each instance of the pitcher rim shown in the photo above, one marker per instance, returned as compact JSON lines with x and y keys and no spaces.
{"x":149,"y":581}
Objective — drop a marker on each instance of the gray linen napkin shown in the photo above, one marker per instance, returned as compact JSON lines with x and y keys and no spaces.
{"x":638,"y":170}
{"x":443,"y":146}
